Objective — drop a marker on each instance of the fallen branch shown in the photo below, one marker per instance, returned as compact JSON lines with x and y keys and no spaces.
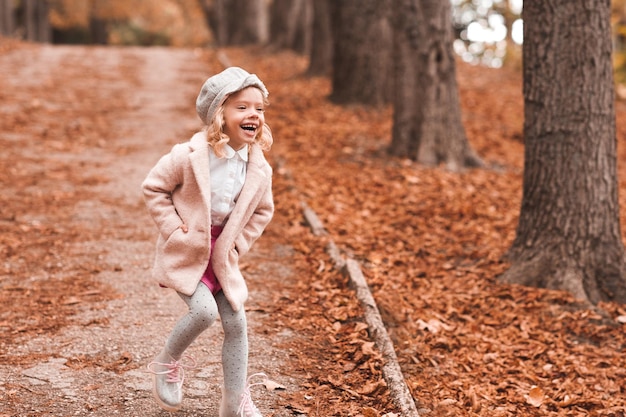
{"x":400,"y":394}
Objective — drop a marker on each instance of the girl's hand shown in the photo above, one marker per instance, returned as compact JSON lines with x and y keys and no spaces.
{"x":184,"y":228}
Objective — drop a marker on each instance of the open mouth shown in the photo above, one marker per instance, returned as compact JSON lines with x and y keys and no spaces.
{"x":249,"y":128}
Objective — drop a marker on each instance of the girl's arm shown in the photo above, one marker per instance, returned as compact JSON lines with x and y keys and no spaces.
{"x":157,"y":188}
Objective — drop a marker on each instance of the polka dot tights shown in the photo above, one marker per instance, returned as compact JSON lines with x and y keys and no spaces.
{"x":204,"y":309}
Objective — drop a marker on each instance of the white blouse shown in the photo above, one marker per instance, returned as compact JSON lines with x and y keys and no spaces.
{"x":227,"y":177}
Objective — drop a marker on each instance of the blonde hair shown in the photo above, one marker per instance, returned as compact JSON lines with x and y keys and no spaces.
{"x":217,"y":138}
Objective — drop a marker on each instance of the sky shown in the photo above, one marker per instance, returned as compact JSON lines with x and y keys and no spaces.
{"x":484,"y":38}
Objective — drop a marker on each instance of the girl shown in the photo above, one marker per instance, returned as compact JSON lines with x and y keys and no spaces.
{"x":211,"y":198}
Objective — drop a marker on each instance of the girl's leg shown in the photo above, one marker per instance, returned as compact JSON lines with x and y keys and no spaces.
{"x":234,"y":356}
{"x":202,"y":314}
{"x":166,"y":367}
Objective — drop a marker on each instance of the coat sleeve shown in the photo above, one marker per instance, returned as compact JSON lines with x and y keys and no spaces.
{"x":258,"y":221}
{"x":158,"y":188}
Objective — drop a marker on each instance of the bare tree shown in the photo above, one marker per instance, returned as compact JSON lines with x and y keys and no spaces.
{"x":321,"y":52}
{"x":427,"y":125}
{"x":290,"y":25}
{"x":237,"y":22}
{"x":7,"y":18}
{"x":569,"y":234}
{"x":362,"y":52}
{"x":36,"y":21}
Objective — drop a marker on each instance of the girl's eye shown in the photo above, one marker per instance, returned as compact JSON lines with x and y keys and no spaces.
{"x":260,"y":110}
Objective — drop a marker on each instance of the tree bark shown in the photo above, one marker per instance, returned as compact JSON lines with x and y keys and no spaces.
{"x":36,"y":23}
{"x":215,"y":16}
{"x":44,"y":32}
{"x":7,"y":18}
{"x":362,"y":45}
{"x":30,"y":22}
{"x":569,"y":235}
{"x":290,"y":25}
{"x":237,"y":22}
{"x":321,"y":55}
{"x":427,"y":124}
{"x":246,"y":22}
{"x":98,"y":30}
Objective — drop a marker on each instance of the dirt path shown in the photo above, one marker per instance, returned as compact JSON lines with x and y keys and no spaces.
{"x":80,"y":128}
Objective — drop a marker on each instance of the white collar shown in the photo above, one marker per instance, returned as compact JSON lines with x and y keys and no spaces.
{"x":229,"y":152}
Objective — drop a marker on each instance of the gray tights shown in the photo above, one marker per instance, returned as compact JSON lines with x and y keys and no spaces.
{"x":203,"y":311}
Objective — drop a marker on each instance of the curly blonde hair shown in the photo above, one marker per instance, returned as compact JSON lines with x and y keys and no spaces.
{"x":217,"y":138}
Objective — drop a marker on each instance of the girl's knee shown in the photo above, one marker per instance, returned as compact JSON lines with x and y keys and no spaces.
{"x":202,"y":306}
{"x":236,"y":325}
{"x":203,"y":315}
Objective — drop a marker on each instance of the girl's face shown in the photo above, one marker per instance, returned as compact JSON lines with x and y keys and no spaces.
{"x":243,"y":117}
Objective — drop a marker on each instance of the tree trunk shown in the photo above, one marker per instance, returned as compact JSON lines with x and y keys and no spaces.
{"x":98,"y":30}
{"x":569,"y":234}
{"x":36,"y":23}
{"x":362,"y":44}
{"x":7,"y":22}
{"x":290,"y":25}
{"x":321,"y":55}
{"x":30,"y":23}
{"x":237,"y":22}
{"x":44,"y":32}
{"x":246,"y":22}
{"x":427,"y":125}
{"x":215,"y":16}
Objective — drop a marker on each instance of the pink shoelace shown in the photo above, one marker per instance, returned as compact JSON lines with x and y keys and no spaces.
{"x":247,"y":407}
{"x":175,"y":370}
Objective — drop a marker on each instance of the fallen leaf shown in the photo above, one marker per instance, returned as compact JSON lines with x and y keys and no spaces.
{"x":368,"y":349}
{"x":370,"y":412}
{"x":272,"y":385}
{"x":371,"y":388}
{"x":567,"y":401}
{"x":535,"y":396}
{"x":71,"y":301}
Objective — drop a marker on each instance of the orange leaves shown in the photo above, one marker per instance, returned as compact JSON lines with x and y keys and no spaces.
{"x":431,"y":244}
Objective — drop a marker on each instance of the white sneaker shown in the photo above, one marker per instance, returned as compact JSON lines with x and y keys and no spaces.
{"x":167,"y":382}
{"x":247,"y":407}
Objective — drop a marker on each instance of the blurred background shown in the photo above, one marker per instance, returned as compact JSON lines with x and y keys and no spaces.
{"x":488,"y":32}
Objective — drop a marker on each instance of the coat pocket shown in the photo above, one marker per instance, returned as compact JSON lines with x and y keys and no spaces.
{"x":184,"y":249}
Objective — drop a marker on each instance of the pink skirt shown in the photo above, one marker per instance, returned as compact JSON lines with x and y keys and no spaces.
{"x":208,"y":278}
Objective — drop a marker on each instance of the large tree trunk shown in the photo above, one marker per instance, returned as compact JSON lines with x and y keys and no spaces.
{"x":30,"y":24}
{"x":569,"y":235}
{"x":290,"y":25}
{"x":362,"y":44}
{"x":36,"y":21}
{"x":427,"y":125}
{"x":99,"y":31}
{"x":321,"y":53}
{"x":247,"y":22}
{"x":237,"y":22}
{"x":7,"y":22}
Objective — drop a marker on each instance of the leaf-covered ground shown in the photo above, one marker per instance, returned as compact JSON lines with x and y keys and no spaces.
{"x":429,"y":243}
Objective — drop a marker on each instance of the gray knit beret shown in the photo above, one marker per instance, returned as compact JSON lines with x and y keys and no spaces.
{"x":219,"y":86}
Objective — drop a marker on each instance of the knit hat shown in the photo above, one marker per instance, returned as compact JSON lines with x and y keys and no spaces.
{"x":218,"y":87}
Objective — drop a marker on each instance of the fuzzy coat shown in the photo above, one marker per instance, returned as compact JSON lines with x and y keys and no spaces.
{"x":178,"y":190}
